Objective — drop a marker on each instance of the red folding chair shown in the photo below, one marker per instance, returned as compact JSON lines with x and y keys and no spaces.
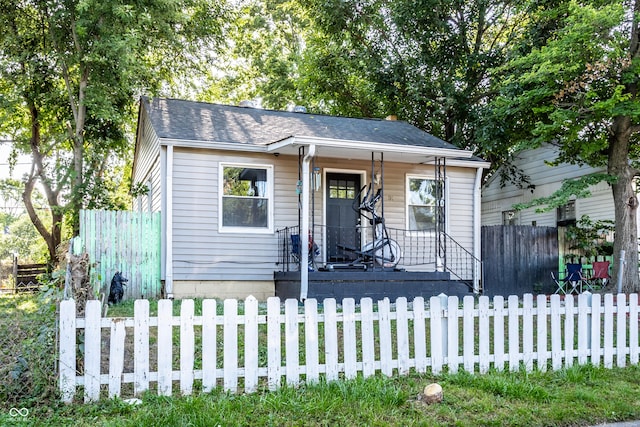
{"x":600,"y":276}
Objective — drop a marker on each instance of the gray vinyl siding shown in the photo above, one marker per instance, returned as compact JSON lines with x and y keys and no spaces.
{"x":202,"y":252}
{"x":155,"y":192}
{"x":547,"y":179}
{"x":148,"y":151}
{"x":147,"y":166}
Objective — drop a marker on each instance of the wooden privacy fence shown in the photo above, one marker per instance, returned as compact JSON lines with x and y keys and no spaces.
{"x":124,"y":241}
{"x":242,"y":350}
{"x":518,"y":259}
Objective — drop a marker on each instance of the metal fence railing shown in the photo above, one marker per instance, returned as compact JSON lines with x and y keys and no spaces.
{"x":419,"y":250}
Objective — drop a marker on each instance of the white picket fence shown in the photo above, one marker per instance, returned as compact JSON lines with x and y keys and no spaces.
{"x":252,"y":347}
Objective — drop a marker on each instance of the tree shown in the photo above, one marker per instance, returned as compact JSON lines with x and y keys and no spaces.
{"x":70,"y":71}
{"x":427,"y":62}
{"x":578,"y":89}
{"x":261,"y":58}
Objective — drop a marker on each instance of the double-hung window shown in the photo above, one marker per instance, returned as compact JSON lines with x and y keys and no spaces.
{"x":246,"y":202}
{"x":422,"y":203}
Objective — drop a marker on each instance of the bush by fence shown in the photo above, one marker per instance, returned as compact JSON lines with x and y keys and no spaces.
{"x":261,"y":346}
{"x":28,"y":353}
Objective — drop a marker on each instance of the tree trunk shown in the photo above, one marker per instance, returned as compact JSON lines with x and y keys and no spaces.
{"x":625,"y":205}
{"x":52,"y":236}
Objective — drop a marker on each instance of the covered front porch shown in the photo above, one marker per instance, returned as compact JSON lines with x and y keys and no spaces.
{"x":429,"y":265}
{"x":374,"y":220}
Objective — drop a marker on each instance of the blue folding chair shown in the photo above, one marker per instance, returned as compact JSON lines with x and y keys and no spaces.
{"x":574,"y":278}
{"x":296,"y":251}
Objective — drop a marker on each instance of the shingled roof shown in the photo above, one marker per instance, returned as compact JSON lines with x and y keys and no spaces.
{"x":199,"y":121}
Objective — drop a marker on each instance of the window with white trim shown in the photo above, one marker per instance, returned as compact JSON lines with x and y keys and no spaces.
{"x":246,"y":197}
{"x":421,"y":203}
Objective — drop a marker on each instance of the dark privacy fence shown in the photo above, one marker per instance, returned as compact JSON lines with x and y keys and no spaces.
{"x":519,"y":259}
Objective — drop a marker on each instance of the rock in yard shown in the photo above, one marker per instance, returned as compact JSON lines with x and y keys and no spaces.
{"x":432,"y":393}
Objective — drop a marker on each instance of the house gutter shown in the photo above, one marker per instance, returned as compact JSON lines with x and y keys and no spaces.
{"x":304,"y":226}
{"x":477,"y":212}
{"x":369,"y":146}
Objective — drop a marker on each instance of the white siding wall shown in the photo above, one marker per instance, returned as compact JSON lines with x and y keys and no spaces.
{"x":547,"y":179}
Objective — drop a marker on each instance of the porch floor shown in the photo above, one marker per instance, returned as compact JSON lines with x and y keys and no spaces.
{"x":377,"y":285}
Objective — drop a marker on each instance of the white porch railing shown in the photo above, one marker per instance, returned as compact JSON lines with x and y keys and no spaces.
{"x":241,"y":347}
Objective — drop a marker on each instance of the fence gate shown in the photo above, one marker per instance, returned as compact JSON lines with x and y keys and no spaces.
{"x":519,"y":259}
{"x":124,"y":241}
{"x":25,"y":276}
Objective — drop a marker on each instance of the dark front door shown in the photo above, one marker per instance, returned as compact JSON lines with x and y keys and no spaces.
{"x":342,"y":219}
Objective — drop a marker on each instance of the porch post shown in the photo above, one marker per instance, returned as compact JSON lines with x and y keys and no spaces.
{"x":477,"y":227}
{"x":168,"y":278}
{"x":304,"y":225}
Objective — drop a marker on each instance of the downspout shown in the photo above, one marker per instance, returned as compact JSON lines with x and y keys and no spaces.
{"x":168,"y":281}
{"x":304,"y":226}
{"x":477,"y":211}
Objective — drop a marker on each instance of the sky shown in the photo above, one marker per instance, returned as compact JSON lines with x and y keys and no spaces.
{"x":21,"y":168}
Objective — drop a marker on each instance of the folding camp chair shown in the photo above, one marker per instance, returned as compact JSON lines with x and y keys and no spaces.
{"x":600,"y":276}
{"x":574,"y":278}
{"x":559,"y":284}
{"x":296,"y":251}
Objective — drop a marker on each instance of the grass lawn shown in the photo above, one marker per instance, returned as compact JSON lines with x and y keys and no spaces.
{"x":578,"y":396}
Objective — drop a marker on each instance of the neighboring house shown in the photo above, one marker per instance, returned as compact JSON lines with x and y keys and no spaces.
{"x":498,"y":201}
{"x":233,"y":183}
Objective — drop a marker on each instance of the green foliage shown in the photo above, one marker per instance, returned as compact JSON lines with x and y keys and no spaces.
{"x":590,"y":238}
{"x":567,"y":89}
{"x":29,"y":361}
{"x":69,"y":76}
{"x":22,"y":239}
{"x":579,"y":188}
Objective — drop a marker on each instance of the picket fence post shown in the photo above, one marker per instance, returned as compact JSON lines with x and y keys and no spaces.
{"x":349,"y":337}
{"x":274,"y":352}
{"x":330,"y":340}
{"x":634,"y":344}
{"x":291,"y":340}
{"x":165,"y":342}
{"x":251,"y":344}
{"x":541,"y":327}
{"x":468,"y":352}
{"x":453,"y":339}
{"x":311,"y":340}
{"x":67,"y":357}
{"x":435,"y":323}
{"x":141,"y":346}
{"x":384,"y":321}
{"x":187,"y":344}
{"x":368,"y":346}
{"x":116,"y":357}
{"x":483,"y":334}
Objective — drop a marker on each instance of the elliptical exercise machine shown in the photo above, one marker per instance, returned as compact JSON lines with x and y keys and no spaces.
{"x":381,"y":250}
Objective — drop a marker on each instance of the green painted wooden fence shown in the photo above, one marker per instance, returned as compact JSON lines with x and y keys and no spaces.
{"x":123,"y":241}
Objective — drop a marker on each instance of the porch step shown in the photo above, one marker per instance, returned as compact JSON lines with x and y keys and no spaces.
{"x":374,"y":284}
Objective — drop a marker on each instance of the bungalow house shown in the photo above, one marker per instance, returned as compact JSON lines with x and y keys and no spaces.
{"x":247,"y":193}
